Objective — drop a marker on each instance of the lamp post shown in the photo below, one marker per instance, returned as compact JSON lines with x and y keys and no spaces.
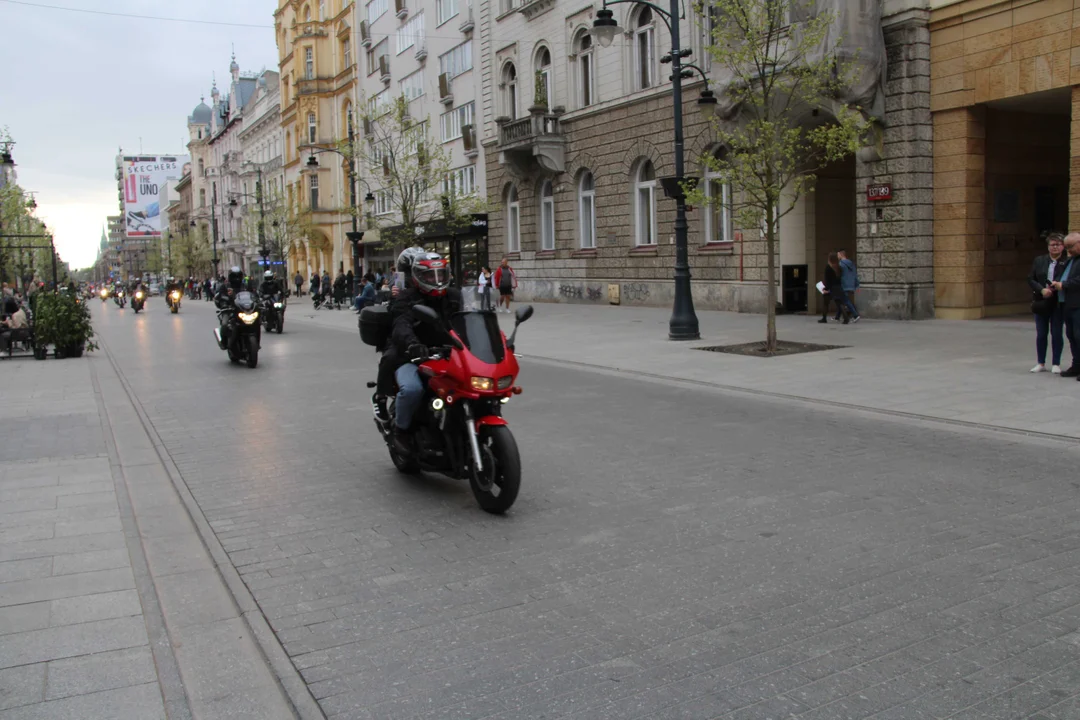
{"x":356,"y":235}
{"x":684,"y":323}
{"x":213,"y":225}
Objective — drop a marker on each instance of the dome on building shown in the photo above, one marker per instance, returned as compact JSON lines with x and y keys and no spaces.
{"x":201,"y":114}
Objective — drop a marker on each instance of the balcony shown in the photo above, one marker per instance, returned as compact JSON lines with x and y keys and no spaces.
{"x":365,"y":34}
{"x":532,"y":145}
{"x":467,"y":24}
{"x":314,"y":86}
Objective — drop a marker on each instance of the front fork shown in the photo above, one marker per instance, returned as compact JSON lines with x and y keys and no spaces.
{"x":474,"y":441}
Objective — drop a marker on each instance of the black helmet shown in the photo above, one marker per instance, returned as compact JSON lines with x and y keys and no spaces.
{"x":236,"y":278}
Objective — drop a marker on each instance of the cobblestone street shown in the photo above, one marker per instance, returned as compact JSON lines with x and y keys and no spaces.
{"x":675,"y":552}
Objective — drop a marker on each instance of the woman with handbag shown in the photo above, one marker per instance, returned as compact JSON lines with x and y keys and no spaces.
{"x":1049,"y":315}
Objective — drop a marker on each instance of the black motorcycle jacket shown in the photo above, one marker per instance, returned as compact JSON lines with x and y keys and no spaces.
{"x":269,"y":288}
{"x":407,"y":331}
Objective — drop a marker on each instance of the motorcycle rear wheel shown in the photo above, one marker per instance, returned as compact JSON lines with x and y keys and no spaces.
{"x":497,"y":488}
{"x":252,"y":351}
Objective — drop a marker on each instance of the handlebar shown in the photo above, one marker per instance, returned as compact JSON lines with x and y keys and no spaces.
{"x":440,"y":354}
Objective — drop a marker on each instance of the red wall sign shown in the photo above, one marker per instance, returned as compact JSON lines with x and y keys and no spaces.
{"x":879,"y":192}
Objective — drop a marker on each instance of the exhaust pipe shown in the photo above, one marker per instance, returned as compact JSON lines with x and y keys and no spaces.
{"x":217,"y":336}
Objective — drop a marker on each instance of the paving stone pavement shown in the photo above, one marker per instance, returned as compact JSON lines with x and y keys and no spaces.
{"x":676,"y":552}
{"x":73,"y":639}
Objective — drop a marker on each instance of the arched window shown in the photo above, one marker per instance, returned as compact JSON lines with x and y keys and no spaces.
{"x":513,"y":221}
{"x":585,"y":71}
{"x":307,"y":14}
{"x":322,"y":10}
{"x":547,"y":216}
{"x":309,"y":63}
{"x":312,"y":128}
{"x":587,"y":210}
{"x":718,"y":224}
{"x":644,"y":50}
{"x":645,"y":204}
{"x":202,"y":168}
{"x":543,"y":73}
{"x":510,"y":91}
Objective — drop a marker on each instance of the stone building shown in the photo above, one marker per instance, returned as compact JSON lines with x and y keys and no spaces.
{"x":317,"y":48}
{"x":578,"y":137}
{"x":1005,"y":97}
{"x":262,"y":176}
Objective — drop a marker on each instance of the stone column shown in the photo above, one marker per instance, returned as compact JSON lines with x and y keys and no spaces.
{"x":959,"y":212}
{"x":894,"y":238}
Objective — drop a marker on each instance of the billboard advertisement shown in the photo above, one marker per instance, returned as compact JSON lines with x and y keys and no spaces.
{"x":145,"y":177}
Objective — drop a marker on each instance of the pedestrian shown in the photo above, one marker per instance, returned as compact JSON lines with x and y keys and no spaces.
{"x":299,"y":281}
{"x":834,"y":290}
{"x":350,"y":284}
{"x":1049,"y":313}
{"x":483,"y":288}
{"x":339,"y":289}
{"x":325,"y":282}
{"x":1068,"y":294}
{"x":506,"y":281}
{"x":849,"y":282}
{"x":313,"y":288}
{"x":367,"y":294}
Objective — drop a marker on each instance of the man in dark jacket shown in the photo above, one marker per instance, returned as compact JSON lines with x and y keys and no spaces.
{"x":299,"y":282}
{"x":314,"y":287}
{"x":1068,"y":290}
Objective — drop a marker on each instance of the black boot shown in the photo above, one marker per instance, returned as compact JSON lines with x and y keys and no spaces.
{"x":403,"y":442}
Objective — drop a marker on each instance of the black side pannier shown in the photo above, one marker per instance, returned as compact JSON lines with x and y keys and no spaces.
{"x":375,"y":325}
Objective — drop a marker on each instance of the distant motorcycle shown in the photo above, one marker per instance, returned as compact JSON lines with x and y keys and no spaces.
{"x":274,"y":313}
{"x":240,"y":330}
{"x":119,"y":299}
{"x":104,"y":295}
{"x":138,"y":302}
{"x":174,"y":301}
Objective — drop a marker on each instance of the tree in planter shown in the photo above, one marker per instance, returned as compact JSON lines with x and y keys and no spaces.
{"x":62,"y":321}
{"x":409,"y":173}
{"x":777,"y":63}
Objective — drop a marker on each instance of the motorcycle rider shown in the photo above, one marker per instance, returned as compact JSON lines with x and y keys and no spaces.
{"x":270,"y":285}
{"x":169,"y":287}
{"x":426,"y":279}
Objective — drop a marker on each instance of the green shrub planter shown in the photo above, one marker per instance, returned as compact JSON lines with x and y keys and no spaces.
{"x":63,"y":321}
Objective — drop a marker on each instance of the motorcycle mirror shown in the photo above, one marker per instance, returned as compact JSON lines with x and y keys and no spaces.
{"x":523,"y":314}
{"x":424,"y":314}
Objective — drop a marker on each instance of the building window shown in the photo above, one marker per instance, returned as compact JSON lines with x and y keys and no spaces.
{"x":375,"y":10}
{"x":510,"y":99}
{"x":585,"y":73}
{"x":645,"y":204}
{"x":202,"y":197}
{"x":373,"y":55}
{"x":587,"y":210}
{"x":452,"y":121}
{"x":312,"y":128}
{"x":644,"y":50}
{"x":547,"y":216}
{"x":718,"y":223}
{"x":460,"y":182}
{"x":513,"y":221}
{"x":383,"y":204}
{"x":445,"y":9}
{"x":346,"y":52}
{"x":506,"y":6}
{"x":379,"y":103}
{"x":202,"y":168}
{"x":410,"y":33}
{"x":412,"y":86}
{"x":314,"y":187}
{"x":543,"y":73}
{"x":457,"y":61}
{"x":322,"y":10}
{"x":309,"y":63}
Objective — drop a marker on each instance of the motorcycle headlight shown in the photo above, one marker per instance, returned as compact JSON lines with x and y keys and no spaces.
{"x":279,"y":305}
{"x":248,"y":318}
{"x":175,"y":295}
{"x":506,"y":381}
{"x":138,"y":295}
{"x":104,"y":293}
{"x":482,"y":383}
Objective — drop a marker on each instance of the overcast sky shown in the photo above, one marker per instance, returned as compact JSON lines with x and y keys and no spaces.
{"x":77,"y":86}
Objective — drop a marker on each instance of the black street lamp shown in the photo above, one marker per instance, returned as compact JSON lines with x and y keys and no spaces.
{"x":684,"y":323}
{"x":213,"y":225}
{"x":356,"y":235}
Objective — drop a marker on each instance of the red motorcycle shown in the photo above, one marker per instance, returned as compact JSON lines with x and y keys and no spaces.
{"x":459,"y":428}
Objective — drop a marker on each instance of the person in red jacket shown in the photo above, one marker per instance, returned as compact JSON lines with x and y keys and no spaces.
{"x":505,"y":281}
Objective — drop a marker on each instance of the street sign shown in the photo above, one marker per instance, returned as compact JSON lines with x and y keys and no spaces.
{"x":881,"y":191}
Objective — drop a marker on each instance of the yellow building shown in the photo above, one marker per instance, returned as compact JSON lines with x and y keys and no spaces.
{"x":1005,"y":100}
{"x":317,"y":60}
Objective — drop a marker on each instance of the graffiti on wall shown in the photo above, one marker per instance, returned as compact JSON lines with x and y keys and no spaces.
{"x":635,"y":292}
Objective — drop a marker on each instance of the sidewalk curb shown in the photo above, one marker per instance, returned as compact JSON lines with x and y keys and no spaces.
{"x":292,"y":685}
{"x":173,"y":694}
{"x":832,"y":404}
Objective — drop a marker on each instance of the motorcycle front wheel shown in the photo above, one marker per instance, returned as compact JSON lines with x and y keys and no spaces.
{"x":175,"y":309}
{"x":496,"y":488}
{"x":252,"y":351}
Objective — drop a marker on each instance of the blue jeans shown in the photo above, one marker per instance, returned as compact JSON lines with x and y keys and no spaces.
{"x":410,"y":394}
{"x":1050,"y":326}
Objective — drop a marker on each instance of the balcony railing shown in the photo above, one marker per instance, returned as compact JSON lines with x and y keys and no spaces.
{"x":533,"y":143}
{"x":527,"y":128}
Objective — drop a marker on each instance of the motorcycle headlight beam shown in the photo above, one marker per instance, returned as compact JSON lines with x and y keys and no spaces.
{"x":248,"y":318}
{"x":504,"y":400}
{"x":482,"y":383}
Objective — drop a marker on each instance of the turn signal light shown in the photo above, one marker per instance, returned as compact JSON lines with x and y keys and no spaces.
{"x":516,"y":390}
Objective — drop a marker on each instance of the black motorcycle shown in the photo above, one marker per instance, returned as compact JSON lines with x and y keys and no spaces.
{"x":120,"y":298}
{"x":173,"y":298}
{"x":240,"y":330}
{"x":138,"y":301}
{"x":274,"y":313}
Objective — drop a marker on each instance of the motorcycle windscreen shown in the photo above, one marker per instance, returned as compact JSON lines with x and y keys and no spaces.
{"x":480,"y":333}
{"x":245,"y":301}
